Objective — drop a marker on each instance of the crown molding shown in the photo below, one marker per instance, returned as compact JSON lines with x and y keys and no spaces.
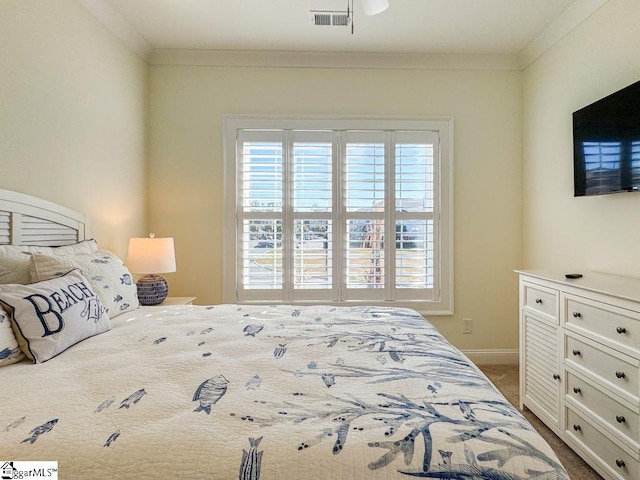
{"x":564,"y":24}
{"x":338,"y":60}
{"x":569,"y":20}
{"x":116,"y":24}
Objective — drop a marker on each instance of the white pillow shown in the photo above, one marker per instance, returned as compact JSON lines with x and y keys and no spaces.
{"x":14,"y":259}
{"x":106,"y":273}
{"x":9,"y":350}
{"x":49,"y":317}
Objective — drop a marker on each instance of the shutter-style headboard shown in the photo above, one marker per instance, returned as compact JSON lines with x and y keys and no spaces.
{"x":27,"y":220}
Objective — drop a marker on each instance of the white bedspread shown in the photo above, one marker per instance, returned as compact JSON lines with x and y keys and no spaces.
{"x":269,"y":393}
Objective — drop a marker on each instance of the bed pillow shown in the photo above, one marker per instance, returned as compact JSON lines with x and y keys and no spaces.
{"x":14,"y":259}
{"x":106,"y":273}
{"x":9,"y":350}
{"x":49,"y":317}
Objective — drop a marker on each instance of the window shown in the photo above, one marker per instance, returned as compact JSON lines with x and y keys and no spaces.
{"x":342,"y":211}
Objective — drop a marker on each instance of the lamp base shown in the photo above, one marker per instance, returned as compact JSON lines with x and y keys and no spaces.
{"x":152,"y":290}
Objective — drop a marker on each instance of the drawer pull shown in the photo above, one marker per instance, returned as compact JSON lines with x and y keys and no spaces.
{"x":576,"y":390}
{"x":621,"y":330}
{"x":539,"y":301}
{"x":577,"y":427}
{"x":556,"y":376}
{"x":620,"y":374}
{"x":620,"y":463}
{"x":576,"y":352}
{"x":620,"y":419}
{"x":577,"y":314}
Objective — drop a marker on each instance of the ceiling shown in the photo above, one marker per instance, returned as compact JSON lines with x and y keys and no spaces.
{"x":470,"y":27}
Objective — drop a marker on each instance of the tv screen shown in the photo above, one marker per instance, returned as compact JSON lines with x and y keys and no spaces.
{"x":606,"y":144}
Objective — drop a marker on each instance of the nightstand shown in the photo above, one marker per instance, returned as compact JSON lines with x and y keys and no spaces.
{"x":177,"y":301}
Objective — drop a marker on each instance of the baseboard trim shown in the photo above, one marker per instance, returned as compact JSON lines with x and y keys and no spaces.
{"x":493,"y":357}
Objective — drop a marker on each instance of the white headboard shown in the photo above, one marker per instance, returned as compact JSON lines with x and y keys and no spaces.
{"x":27,"y":220}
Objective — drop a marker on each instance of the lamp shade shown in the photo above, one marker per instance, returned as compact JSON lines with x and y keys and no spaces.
{"x":374,"y":7}
{"x":151,"y":255}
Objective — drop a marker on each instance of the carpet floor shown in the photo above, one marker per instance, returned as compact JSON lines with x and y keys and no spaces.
{"x":506,"y":378}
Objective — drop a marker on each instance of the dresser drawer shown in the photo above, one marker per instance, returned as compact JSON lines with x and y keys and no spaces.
{"x":615,"y":326}
{"x":542,"y":300}
{"x":618,"y":370}
{"x":610,"y":455}
{"x":610,"y":411}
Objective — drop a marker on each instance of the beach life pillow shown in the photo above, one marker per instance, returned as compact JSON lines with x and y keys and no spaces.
{"x":106,"y":273}
{"x":14,"y":259}
{"x":49,"y":317}
{"x":9,"y":350}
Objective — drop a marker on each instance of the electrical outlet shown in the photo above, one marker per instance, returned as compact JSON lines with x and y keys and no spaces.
{"x":467,"y":325}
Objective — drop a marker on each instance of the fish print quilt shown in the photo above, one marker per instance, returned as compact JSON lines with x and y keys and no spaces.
{"x":267,"y":393}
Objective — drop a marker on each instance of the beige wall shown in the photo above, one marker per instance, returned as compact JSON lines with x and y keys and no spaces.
{"x":73,"y":110}
{"x":560,"y":231}
{"x":73,"y":116}
{"x":186,"y":177}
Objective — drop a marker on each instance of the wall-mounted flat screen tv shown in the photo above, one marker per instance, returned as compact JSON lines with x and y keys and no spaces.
{"x":606,"y":144}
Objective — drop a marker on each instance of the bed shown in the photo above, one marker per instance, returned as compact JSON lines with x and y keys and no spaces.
{"x":249,"y":392}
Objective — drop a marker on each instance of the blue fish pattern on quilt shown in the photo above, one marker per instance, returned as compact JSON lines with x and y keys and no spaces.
{"x":252,"y":330}
{"x":132,"y":399}
{"x":112,"y":438}
{"x":250,"y":466}
{"x":210,"y":392}
{"x":15,"y":424}
{"x":280,"y":393}
{"x":40,"y":430}
{"x":104,"y":405}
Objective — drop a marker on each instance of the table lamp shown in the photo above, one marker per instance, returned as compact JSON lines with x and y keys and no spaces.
{"x":150,"y":256}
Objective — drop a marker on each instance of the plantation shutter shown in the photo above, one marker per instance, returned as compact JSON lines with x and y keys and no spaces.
{"x":337,"y":215}
{"x":260,"y":214}
{"x":416,"y":197}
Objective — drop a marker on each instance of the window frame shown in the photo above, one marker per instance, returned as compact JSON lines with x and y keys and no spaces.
{"x":443,"y":303}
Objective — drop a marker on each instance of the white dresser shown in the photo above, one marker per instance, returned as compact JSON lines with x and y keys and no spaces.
{"x":580,"y":364}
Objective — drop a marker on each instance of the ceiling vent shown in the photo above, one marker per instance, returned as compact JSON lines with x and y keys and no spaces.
{"x":325,"y":18}
{"x":330,"y":13}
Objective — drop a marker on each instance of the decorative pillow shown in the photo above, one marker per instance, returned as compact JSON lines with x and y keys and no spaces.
{"x":14,"y":259}
{"x":106,"y":273}
{"x":49,"y":317}
{"x":9,"y":350}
